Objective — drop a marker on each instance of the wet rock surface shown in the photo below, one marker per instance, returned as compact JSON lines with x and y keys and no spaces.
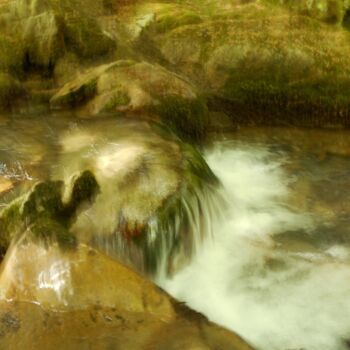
{"x":46,"y":293}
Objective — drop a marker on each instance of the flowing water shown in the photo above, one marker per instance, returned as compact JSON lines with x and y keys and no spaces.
{"x":277,"y":268}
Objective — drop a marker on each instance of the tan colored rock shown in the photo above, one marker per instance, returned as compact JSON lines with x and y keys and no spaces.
{"x":138,"y":87}
{"x":65,"y":280}
{"x":124,"y":86}
{"x":5,"y":185}
{"x":52,"y":299}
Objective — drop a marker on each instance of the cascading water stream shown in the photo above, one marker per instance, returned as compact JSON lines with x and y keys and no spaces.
{"x":277,"y":296}
{"x":267,"y":255}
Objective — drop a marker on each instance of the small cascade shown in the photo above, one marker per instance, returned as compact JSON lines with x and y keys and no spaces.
{"x":169,"y":239}
{"x":269,"y":273}
{"x":158,"y":197}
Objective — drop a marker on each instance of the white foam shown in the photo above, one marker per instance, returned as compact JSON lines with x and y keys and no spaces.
{"x":244,"y":281}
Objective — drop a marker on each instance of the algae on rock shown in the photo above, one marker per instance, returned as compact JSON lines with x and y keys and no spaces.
{"x":43,"y":214}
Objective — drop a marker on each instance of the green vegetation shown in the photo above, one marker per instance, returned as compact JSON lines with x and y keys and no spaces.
{"x":188,"y":118}
{"x":174,"y":220}
{"x":10,"y":89}
{"x":171,"y":21}
{"x":84,"y":36}
{"x":119,"y":98}
{"x":42,"y":214}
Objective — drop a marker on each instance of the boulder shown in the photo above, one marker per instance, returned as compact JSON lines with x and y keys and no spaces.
{"x":155,"y":192}
{"x":49,"y":28}
{"x":138,"y":87}
{"x":43,"y":212}
{"x":96,"y":303}
{"x":262,"y":63}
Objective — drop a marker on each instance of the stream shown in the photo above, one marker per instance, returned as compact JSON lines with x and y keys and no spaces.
{"x":276,"y":269}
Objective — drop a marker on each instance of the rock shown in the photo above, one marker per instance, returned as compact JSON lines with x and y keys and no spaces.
{"x":138,"y":87}
{"x":148,"y":181}
{"x":261,"y":63}
{"x":85,"y":37}
{"x":331,"y":11}
{"x":5,"y":185}
{"x":43,"y":212}
{"x":43,"y":39}
{"x":50,"y":27}
{"x":11,"y":54}
{"x":66,"y":68}
{"x":45,"y":293}
{"x":10,"y":89}
{"x":82,"y":88}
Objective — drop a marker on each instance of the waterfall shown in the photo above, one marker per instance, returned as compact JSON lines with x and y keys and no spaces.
{"x":275,"y":296}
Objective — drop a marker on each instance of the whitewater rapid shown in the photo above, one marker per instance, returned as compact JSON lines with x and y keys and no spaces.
{"x":243,"y":279}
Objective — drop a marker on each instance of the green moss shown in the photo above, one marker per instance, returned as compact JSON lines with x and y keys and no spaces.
{"x":188,"y":118}
{"x":10,"y":89}
{"x":197,"y":171}
{"x":119,"y":98}
{"x":44,"y":200}
{"x":317,"y":103}
{"x":10,"y":224}
{"x":45,"y":230}
{"x":330,"y":11}
{"x":76,"y":95}
{"x":11,"y":55}
{"x":43,"y":215}
{"x":84,"y":36}
{"x":173,"y":223}
{"x":169,"y":22}
{"x":85,"y":189}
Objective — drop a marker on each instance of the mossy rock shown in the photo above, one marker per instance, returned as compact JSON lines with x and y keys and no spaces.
{"x":44,"y":215}
{"x":261,"y":63}
{"x":172,"y":21}
{"x":43,"y":40}
{"x":330,"y":11}
{"x":84,"y":36}
{"x":188,"y":118}
{"x":157,"y":192}
{"x":11,"y":54}
{"x":127,"y":86}
{"x":81,"y":89}
{"x":10,"y":89}
{"x":175,"y":222}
